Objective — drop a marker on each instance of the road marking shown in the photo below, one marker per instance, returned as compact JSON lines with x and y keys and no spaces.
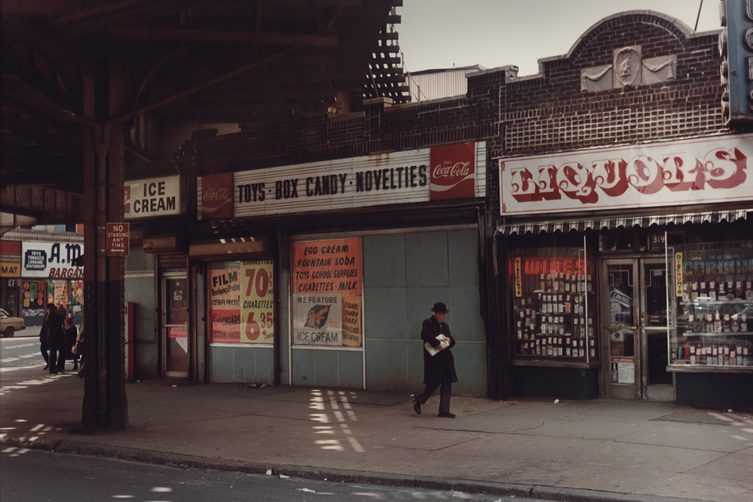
{"x":18,"y":358}
{"x":23,"y":345}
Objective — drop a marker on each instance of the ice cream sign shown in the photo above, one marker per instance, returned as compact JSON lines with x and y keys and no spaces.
{"x":705,"y":170}
{"x":152,"y":197}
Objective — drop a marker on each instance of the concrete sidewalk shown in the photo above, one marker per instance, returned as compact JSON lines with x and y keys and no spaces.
{"x":585,"y":450}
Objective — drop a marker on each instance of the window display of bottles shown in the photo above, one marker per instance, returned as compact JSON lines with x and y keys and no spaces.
{"x":550,"y":317}
{"x":715,"y":311}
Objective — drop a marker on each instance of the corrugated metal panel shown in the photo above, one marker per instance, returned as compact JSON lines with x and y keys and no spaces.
{"x":373,"y":180}
{"x":441,"y":84}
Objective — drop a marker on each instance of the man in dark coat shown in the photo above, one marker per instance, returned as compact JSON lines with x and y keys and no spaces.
{"x":439,"y":369}
{"x":56,"y":341}
{"x":43,"y":335}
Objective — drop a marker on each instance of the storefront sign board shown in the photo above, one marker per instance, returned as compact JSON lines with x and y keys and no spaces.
{"x":52,"y":260}
{"x":224,"y":305}
{"x":704,"y":170}
{"x":679,"y":268}
{"x":257,"y":301}
{"x":623,"y":370}
{"x":453,"y":171}
{"x":327,"y":292}
{"x":152,"y":197}
{"x":10,"y":268}
{"x":373,"y":180}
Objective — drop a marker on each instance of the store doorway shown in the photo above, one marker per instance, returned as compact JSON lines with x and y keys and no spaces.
{"x":634,"y":328}
{"x":174,"y":324}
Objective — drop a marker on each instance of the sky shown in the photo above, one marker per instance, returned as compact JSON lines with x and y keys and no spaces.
{"x":446,"y":33}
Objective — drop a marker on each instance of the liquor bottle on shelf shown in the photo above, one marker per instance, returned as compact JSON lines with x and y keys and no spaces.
{"x":717,"y":323}
{"x":712,"y":291}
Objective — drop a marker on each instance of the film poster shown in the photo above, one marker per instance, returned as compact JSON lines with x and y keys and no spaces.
{"x":224,"y":305}
{"x":257,"y":302}
{"x":327,"y":285}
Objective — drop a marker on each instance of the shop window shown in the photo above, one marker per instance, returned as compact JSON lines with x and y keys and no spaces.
{"x":241,"y":302}
{"x":327,"y":298}
{"x":553,"y":304}
{"x":713,"y":293}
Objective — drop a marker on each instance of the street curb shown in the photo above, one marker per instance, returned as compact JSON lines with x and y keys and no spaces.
{"x":71,"y":447}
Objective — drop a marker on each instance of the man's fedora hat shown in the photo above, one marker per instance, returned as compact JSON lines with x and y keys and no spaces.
{"x":439,"y":308}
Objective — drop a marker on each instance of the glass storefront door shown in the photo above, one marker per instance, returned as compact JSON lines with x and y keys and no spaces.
{"x":175,"y":341}
{"x":634,"y":328}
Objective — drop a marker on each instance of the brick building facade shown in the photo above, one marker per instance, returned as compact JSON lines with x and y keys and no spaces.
{"x":634,"y":79}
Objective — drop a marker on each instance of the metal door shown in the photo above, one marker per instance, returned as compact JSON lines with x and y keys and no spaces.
{"x":634,"y":328}
{"x":174,"y":323}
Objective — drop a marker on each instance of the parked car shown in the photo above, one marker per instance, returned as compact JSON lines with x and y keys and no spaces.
{"x":9,"y":324}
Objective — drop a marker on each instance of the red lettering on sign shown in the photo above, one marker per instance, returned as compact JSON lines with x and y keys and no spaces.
{"x":721,"y":168}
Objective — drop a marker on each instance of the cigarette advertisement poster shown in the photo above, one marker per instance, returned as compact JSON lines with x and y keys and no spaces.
{"x":224,"y":305}
{"x":257,"y":301}
{"x":327,"y":284}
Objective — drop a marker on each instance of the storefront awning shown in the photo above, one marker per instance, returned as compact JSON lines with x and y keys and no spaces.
{"x":613,"y":222}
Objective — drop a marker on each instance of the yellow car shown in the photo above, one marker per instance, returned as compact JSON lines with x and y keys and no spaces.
{"x":9,"y":325}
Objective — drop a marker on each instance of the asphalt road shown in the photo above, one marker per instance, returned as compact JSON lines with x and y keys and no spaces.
{"x":34,"y":476}
{"x":20,"y":352}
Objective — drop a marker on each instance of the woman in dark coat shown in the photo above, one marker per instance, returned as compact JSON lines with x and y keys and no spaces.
{"x":439,"y":369}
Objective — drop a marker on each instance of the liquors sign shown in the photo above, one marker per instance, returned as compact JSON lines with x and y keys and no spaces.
{"x":706,"y":170}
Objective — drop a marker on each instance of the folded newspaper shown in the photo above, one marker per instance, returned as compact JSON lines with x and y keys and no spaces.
{"x":444,"y":342}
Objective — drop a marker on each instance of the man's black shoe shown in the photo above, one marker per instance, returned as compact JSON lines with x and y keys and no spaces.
{"x":446,"y":415}
{"x":416,"y":406}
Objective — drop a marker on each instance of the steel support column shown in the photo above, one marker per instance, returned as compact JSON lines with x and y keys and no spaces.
{"x":104,"y":404}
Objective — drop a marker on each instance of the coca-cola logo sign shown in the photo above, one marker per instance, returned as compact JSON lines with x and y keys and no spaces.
{"x":453,"y":171}
{"x":217,"y":196}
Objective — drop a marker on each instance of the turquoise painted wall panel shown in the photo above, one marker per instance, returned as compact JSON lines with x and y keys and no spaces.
{"x":140,"y":290}
{"x":463,"y":257}
{"x":420,"y":301}
{"x":385,"y":365}
{"x":327,"y":367}
{"x":244,"y":365}
{"x":465,"y":318}
{"x":414,"y":357}
{"x":385,"y":313}
{"x":304,"y":367}
{"x":470,"y":364}
{"x":351,"y":369}
{"x":264,"y":359}
{"x":426,"y":259}
{"x":221,"y":364}
{"x":384,"y":260}
{"x":283,"y":325}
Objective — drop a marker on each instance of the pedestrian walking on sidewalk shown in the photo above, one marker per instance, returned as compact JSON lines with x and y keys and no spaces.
{"x":56,"y":340}
{"x":44,"y":347}
{"x":71,"y":335}
{"x":439,"y":364}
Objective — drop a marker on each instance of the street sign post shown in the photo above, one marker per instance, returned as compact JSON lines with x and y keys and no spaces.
{"x":118,"y":239}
